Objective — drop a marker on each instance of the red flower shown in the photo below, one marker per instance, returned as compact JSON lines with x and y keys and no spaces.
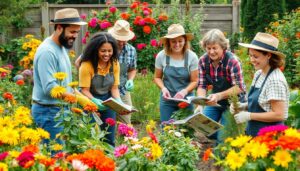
{"x":147,"y":29}
{"x":8,"y":96}
{"x":134,"y":5}
{"x":183,"y":105}
{"x":207,"y":154}
{"x":113,"y":9}
{"x":3,"y":155}
{"x":125,"y":16}
{"x":20,"y":82}
{"x":110,"y":121}
{"x":153,"y":137}
{"x":163,"y":17}
{"x":25,"y":158}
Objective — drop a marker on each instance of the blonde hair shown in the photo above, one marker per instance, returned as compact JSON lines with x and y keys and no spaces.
{"x":214,"y":36}
{"x":167,"y":46}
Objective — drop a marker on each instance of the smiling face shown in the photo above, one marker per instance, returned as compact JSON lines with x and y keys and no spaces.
{"x":121,"y":44}
{"x":214,"y":51}
{"x":177,"y":44}
{"x":105,"y":52}
{"x":259,"y":59}
{"x":68,"y":35}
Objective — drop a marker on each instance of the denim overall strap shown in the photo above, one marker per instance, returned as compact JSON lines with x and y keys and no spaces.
{"x":102,"y":84}
{"x":176,"y":78}
{"x":253,"y":106}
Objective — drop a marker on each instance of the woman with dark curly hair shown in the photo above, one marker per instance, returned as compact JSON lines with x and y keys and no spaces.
{"x":99,"y":76}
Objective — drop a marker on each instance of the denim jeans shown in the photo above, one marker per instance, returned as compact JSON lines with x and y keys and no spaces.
{"x":218,"y":115}
{"x":104,"y":114}
{"x":167,"y":107}
{"x":44,"y":118}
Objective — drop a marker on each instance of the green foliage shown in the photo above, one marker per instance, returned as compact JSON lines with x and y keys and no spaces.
{"x":249,"y":12}
{"x":287,"y":30}
{"x":145,"y":98}
{"x":294,"y":110}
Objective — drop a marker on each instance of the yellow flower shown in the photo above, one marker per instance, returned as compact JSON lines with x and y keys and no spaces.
{"x":282,"y":158}
{"x":31,"y":135}
{"x":229,"y":139}
{"x":9,"y":136}
{"x":57,"y":92}
{"x":22,"y":116}
{"x":42,"y":133}
{"x":235,"y":160}
{"x":270,"y":169}
{"x":166,"y":128}
{"x":150,"y":126}
{"x":60,"y":75}
{"x":156,"y":151}
{"x":73,"y":84}
{"x":28,"y":36}
{"x":3,"y":167}
{"x":292,"y":132}
{"x":1,"y":110}
{"x":72,"y":53}
{"x":240,"y":141}
{"x":259,"y":150}
{"x":4,"y":70}
{"x":14,"y":153}
{"x":57,"y":147}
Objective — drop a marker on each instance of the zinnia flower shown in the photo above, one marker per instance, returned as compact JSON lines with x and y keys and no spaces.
{"x":70,"y":99}
{"x":147,"y":29}
{"x":73,"y":84}
{"x":24,"y":158}
{"x":112,"y":9}
{"x":282,"y":158}
{"x":125,"y":16}
{"x":8,"y":96}
{"x":207,"y":154}
{"x":3,"y":155}
{"x":156,"y":151}
{"x":110,"y":121}
{"x":83,"y":16}
{"x":76,"y":110}
{"x":60,"y":75}
{"x":153,"y":42}
{"x":93,"y":22}
{"x":183,"y":105}
{"x":57,"y":147}
{"x":57,"y":92}
{"x":79,"y":166}
{"x":20,"y":82}
{"x":120,"y":150}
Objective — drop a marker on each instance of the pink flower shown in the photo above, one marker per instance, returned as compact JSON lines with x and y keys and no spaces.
{"x":87,"y":34}
{"x":79,"y":166}
{"x":153,"y":42}
{"x":105,"y":25}
{"x":3,"y":155}
{"x":120,"y":150}
{"x":113,"y":9}
{"x":126,"y":130}
{"x":142,"y":22}
{"x":83,"y":16}
{"x":25,"y":157}
{"x":275,"y":128}
{"x":83,"y":40}
{"x":93,"y":22}
{"x":110,"y":121}
{"x":146,"y":12}
{"x":141,"y":46}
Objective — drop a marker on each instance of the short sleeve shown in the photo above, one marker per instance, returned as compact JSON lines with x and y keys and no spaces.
{"x":193,"y":62}
{"x":276,"y":90}
{"x":159,"y":60}
{"x":85,"y":74}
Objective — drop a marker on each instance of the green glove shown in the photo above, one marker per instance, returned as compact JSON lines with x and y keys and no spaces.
{"x":129,"y":85}
{"x":98,"y":102}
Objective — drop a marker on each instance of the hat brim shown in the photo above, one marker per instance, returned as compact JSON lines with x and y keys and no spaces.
{"x":120,"y":37}
{"x":251,"y":46}
{"x":189,"y":36}
{"x":81,"y":23}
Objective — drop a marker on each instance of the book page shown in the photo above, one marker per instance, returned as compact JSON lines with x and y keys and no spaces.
{"x":178,"y":100}
{"x":118,"y":107}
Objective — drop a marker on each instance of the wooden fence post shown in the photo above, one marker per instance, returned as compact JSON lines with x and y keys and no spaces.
{"x":45,"y":17}
{"x":235,"y":16}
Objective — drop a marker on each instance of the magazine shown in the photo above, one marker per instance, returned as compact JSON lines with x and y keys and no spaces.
{"x":198,"y":100}
{"x":200,"y":123}
{"x":120,"y":108}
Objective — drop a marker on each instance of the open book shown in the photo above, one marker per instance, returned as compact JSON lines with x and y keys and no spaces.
{"x":120,"y":108}
{"x":198,"y":100}
{"x":200,"y":123}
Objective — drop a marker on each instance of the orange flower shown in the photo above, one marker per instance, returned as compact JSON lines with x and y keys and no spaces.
{"x":29,"y":164}
{"x":147,"y":29}
{"x":90,"y":107}
{"x":210,"y":87}
{"x":298,"y":35}
{"x":183,"y":105}
{"x":31,"y":148}
{"x":47,"y":161}
{"x":207,"y":154}
{"x":296,"y":55}
{"x":8,"y":96}
{"x":163,"y":17}
{"x":125,"y":16}
{"x":20,"y":82}
{"x":70,"y":99}
{"x":76,"y":110}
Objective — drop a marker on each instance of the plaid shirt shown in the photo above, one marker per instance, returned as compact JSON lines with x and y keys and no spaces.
{"x":128,"y":55}
{"x":233,"y":71}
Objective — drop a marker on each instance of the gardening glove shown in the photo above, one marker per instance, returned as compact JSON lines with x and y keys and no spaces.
{"x":241,"y":107}
{"x":242,"y":117}
{"x":98,"y":102}
{"x":198,"y":109}
{"x":129,"y":85}
{"x":181,"y":94}
{"x":165,"y":93}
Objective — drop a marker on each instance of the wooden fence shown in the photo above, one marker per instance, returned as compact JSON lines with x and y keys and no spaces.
{"x":224,"y":17}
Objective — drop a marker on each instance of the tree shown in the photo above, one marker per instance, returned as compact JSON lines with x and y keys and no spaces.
{"x":249,"y":22}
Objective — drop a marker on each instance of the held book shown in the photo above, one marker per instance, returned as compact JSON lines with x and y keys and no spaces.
{"x":200,"y":123}
{"x":198,"y":100}
{"x":120,"y":108}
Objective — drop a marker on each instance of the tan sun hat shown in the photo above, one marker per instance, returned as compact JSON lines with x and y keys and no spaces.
{"x":265,"y":42}
{"x":121,"y":31}
{"x":176,"y":30}
{"x":67,"y":16}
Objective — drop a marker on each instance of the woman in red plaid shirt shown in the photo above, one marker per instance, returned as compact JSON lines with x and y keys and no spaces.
{"x":222,"y":70}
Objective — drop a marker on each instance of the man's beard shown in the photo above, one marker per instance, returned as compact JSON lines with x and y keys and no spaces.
{"x":63,"y":40}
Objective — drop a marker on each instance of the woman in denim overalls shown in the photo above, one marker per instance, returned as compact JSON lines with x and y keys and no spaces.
{"x":175,"y":70}
{"x":99,"y":76}
{"x":268,"y":98}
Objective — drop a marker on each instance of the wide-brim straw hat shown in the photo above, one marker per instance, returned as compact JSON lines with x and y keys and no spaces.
{"x":67,"y":16}
{"x":264,"y":42}
{"x":121,"y":31}
{"x":176,"y":30}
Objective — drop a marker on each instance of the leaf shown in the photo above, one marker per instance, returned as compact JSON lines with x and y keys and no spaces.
{"x":67,"y":118}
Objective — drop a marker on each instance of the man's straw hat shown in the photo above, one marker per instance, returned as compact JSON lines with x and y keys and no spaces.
{"x":264,"y":42}
{"x":67,"y":16}
{"x":176,"y":30}
{"x":121,"y":31}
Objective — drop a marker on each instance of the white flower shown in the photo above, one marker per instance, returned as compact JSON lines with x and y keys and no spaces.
{"x":136,"y":146}
{"x":177,"y":134}
{"x":79,"y":166}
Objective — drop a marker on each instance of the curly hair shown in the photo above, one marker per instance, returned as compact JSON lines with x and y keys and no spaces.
{"x":90,"y":53}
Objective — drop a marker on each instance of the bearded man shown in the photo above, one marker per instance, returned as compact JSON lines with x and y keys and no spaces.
{"x":52,"y":57}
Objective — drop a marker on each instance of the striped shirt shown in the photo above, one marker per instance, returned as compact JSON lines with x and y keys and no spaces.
{"x":234,"y":73}
{"x":275,"y":88}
